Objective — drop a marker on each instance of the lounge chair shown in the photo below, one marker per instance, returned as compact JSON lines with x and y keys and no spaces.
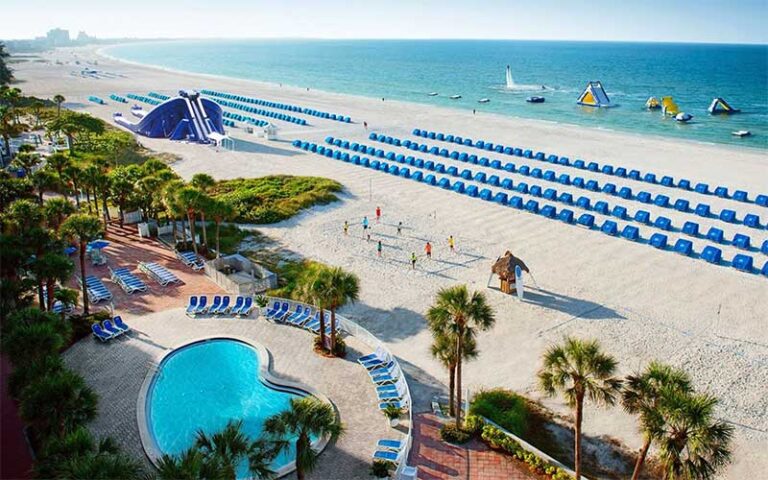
{"x":191,"y":260}
{"x":224,"y":307}
{"x":273,"y":309}
{"x":393,"y":445}
{"x":118,"y":321}
{"x":202,"y":306}
{"x":377,"y":362}
{"x":388,"y":455}
{"x":99,"y":333}
{"x":192,"y":305}
{"x":214,"y":308}
{"x":237,"y":306}
{"x":391,"y":375}
{"x":301,"y":319}
{"x":245,"y":310}
{"x":296,"y":314}
{"x":390,"y":395}
{"x":111,"y":329}
{"x":379,"y":353}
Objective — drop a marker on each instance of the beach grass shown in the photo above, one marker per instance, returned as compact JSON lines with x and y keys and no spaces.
{"x":275,"y":198}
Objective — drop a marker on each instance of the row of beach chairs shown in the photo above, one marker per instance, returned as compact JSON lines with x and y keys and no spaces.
{"x":97,"y":291}
{"x":129,"y":282}
{"x":740,"y":262}
{"x":219,"y":306}
{"x":159,"y":273}
{"x":110,"y":329}
{"x":279,"y":106}
{"x":660,"y":200}
{"x":261,"y":111}
{"x":191,"y":260}
{"x":302,"y":316}
{"x":667,"y":181}
{"x":385,"y":373}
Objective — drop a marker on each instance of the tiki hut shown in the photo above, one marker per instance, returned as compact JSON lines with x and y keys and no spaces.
{"x":504,"y":267}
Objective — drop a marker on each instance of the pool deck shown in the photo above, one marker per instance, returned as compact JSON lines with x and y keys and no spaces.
{"x":117,"y":370}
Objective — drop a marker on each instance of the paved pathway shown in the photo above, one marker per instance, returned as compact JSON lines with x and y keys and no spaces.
{"x":438,"y":460}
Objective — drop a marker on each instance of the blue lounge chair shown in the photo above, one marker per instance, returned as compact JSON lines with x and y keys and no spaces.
{"x":380,"y":353}
{"x":224,"y":307}
{"x":684,"y":184}
{"x":301,"y":319}
{"x":751,"y":220}
{"x":644,"y":197}
{"x":387,"y":455}
{"x":99,"y":333}
{"x":601,"y":207}
{"x":722,"y":192}
{"x":683,"y":247}
{"x":111,"y":329}
{"x":192,"y":305}
{"x":237,"y":306}
{"x":658,"y":240}
{"x":631,"y":232}
{"x":703,"y":210}
{"x":691,"y":228}
{"x":740,"y":196}
{"x":118,"y":320}
{"x":584,"y":202}
{"x":202,"y":306}
{"x":247,"y":307}
{"x":716,"y":235}
{"x":214,"y":307}
{"x":663,"y":223}
{"x":712,"y":254}
{"x":586,"y":220}
{"x":297,"y":312}
{"x":742,"y":241}
{"x":743,"y":262}
{"x":610,"y":228}
{"x":682,"y":205}
{"x":702,"y":188}
{"x":625,"y":193}
{"x":565,"y":215}
{"x":728,"y":216}
{"x":390,"y":444}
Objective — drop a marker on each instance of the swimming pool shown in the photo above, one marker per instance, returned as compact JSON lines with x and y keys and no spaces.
{"x":204,"y":385}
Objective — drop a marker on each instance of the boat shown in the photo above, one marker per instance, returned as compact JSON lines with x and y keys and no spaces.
{"x":432,"y":94}
{"x":484,"y":100}
{"x":741,"y":133}
{"x":653,"y":103}
{"x":683,"y":117}
{"x":455,"y":97}
{"x":535,"y":99}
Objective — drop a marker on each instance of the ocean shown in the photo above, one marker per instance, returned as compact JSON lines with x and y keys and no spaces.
{"x":693,"y":74}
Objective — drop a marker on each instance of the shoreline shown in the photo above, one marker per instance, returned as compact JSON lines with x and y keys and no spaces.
{"x":100,"y":52}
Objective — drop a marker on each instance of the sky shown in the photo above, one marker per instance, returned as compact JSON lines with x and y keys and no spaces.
{"x":715,"y":21}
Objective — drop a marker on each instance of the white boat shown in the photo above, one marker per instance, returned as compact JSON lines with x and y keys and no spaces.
{"x":455,"y":97}
{"x":741,"y":133}
{"x":683,"y":117}
{"x":432,"y":94}
{"x":484,"y":100}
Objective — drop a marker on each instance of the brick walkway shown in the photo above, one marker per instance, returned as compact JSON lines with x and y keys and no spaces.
{"x":127,"y":249}
{"x":438,"y":460}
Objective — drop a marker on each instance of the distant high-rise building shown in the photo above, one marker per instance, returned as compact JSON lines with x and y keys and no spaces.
{"x":58,"y":37}
{"x":82,"y":37}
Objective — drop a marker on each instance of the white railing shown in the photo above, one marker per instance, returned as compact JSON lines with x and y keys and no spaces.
{"x":356,"y":330}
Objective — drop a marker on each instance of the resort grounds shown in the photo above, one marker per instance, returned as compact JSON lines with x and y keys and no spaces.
{"x":640,"y":303}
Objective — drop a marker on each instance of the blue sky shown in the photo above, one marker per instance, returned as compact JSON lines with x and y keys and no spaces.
{"x":733,"y":21}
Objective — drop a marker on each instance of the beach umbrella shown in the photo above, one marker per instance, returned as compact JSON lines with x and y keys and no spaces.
{"x":98,"y":244}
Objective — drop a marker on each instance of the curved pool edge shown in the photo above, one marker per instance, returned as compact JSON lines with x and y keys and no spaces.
{"x":153,"y":452}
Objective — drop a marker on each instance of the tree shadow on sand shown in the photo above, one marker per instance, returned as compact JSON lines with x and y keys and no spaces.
{"x":575,"y":307}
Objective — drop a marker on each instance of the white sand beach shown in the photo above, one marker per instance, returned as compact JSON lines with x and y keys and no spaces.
{"x":639,"y":302}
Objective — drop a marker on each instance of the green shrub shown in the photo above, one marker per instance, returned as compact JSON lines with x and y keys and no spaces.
{"x":451,"y":434}
{"x":504,"y":407}
{"x":473,"y":424}
{"x":275,"y":198}
{"x":381,"y":468}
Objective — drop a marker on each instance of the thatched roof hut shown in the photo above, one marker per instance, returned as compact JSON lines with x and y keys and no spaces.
{"x":504,"y":267}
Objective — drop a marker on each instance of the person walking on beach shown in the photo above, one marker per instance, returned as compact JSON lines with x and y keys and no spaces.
{"x":346,"y":227}
{"x":378,"y":214}
{"x":365,"y":224}
{"x":399,"y":228}
{"x":428,"y":250}
{"x":413,"y":260}
{"x":451,"y":244}
{"x":365,"y":124}
{"x":378,"y":249}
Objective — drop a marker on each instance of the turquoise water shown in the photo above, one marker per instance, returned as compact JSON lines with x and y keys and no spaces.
{"x":204,"y":386}
{"x":408,"y":70}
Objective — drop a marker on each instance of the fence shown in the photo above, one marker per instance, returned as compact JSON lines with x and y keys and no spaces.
{"x":356,"y":330}
{"x":250,"y":279}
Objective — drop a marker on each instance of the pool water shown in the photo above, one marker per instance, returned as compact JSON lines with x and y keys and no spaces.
{"x":203,"y":386}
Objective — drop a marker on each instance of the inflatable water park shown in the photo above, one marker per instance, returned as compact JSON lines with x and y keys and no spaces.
{"x":187,"y":117}
{"x":594,"y":96}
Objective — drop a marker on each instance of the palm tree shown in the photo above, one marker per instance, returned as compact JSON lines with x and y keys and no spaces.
{"x":579,"y":369}
{"x":26,"y":161}
{"x":29,"y":342}
{"x":307,"y":417}
{"x":82,"y":228}
{"x":44,"y":181}
{"x":339,"y":288}
{"x":73,"y":174}
{"x":49,"y":268}
{"x":642,"y":395}
{"x":220,"y":210}
{"x":693,"y":444}
{"x":58,"y":100}
{"x":444,"y":349}
{"x":77,"y":455}
{"x":58,"y":403}
{"x":171,"y":205}
{"x":8,"y":127}
{"x":121,"y":188}
{"x":57,"y":209}
{"x":66,"y":296}
{"x":58,"y":161}
{"x":312,"y":290}
{"x":459,"y":315}
{"x":204,"y":183}
{"x":189,"y":198}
